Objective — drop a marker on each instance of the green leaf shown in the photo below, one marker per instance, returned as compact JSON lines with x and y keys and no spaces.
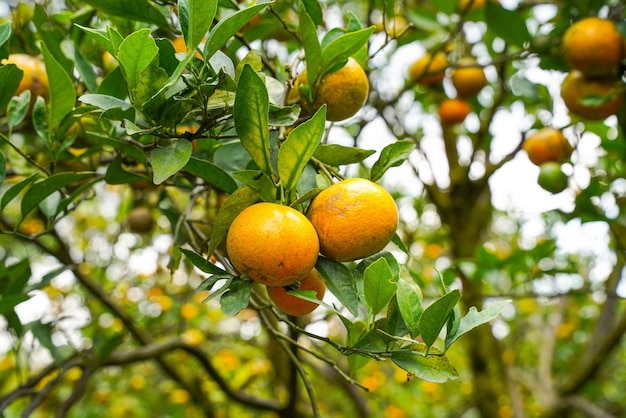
{"x":251,"y":112}
{"x":436,"y":369}
{"x":296,"y":151}
{"x":41,"y":190}
{"x":3,"y":167}
{"x":5,"y":32}
{"x":170,"y":160}
{"x":410,"y":306}
{"x":201,"y":262}
{"x":13,"y":280}
{"x":228,"y":27}
{"x":11,"y":76}
{"x":8,"y":302}
{"x":474,"y":318}
{"x":86,"y":71}
{"x":15,"y":190}
{"x":311,"y":45}
{"x":435,"y":316}
{"x":135,"y":54}
{"x":510,"y":25}
{"x":340,"y":282}
{"x":344,"y":46}
{"x":141,"y":10}
{"x":104,"y":102}
{"x":395,"y":324}
{"x":116,"y":174}
{"x":336,"y":155}
{"x":62,"y":93}
{"x":392,"y":155}
{"x":237,"y":297}
{"x":18,"y":109}
{"x":211,"y":173}
{"x":236,"y":202}
{"x":195,"y":17}
{"x":314,"y":10}
{"x":258,"y":181}
{"x":379,"y":284}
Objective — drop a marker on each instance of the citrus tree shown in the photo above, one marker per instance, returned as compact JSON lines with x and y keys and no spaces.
{"x":289,"y":208}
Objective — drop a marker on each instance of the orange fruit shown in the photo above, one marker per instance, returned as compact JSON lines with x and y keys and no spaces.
{"x":593,"y":46}
{"x":464,"y":5}
{"x":343,"y":92}
{"x":272,"y":244}
{"x":354,"y":218}
{"x":109,"y":62}
{"x":468,"y":79}
{"x":547,"y":144}
{"x":577,"y":87}
{"x":453,"y":111}
{"x":293,"y":305}
{"x":35,"y":77}
{"x":140,"y":220}
{"x":180,"y":46}
{"x":551,"y":177}
{"x":429,"y":69}
{"x":394,"y":27}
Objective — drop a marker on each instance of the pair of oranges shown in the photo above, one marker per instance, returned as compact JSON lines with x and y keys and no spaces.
{"x":278,"y":246}
{"x":594,"y":49}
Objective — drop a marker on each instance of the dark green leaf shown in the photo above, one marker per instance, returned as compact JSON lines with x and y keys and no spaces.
{"x":62,"y":92}
{"x":135,"y":55}
{"x":258,"y":181}
{"x":336,"y":155}
{"x":343,"y":47}
{"x":340,"y":282}
{"x":237,"y":297}
{"x":314,"y":10}
{"x":195,"y":17}
{"x":11,"y":76}
{"x":3,"y":167}
{"x":201,"y":262}
{"x":116,"y":174}
{"x":41,"y":190}
{"x":236,"y":202}
{"x":391,"y":156}
{"x":5,"y":32}
{"x":475,"y":318}
{"x":296,"y":151}
{"x":436,"y":369}
{"x":210,"y":281}
{"x":86,"y":71}
{"x":18,"y":109}
{"x":510,"y":25}
{"x":170,"y":160}
{"x":410,"y":306}
{"x":379,"y":284}
{"x":103,"y":345}
{"x":311,"y":45}
{"x":141,"y":10}
{"x":228,"y":27}
{"x":15,"y":190}
{"x":435,"y":316}
{"x":251,"y":118}
{"x":8,"y":302}
{"x":395,"y":324}
{"x":211,"y":173}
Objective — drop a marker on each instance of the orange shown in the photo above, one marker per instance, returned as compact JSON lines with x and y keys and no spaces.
{"x":453,"y":111}
{"x":35,"y":77}
{"x":293,"y":305}
{"x":109,"y":62}
{"x":547,"y":144}
{"x":394,"y":27}
{"x":593,"y":46}
{"x":354,"y":218}
{"x":464,"y":5}
{"x":468,"y":79}
{"x":577,"y":87}
{"x":272,"y":244}
{"x":179,"y":46}
{"x":551,"y":177}
{"x":429,"y":69}
{"x":343,"y":92}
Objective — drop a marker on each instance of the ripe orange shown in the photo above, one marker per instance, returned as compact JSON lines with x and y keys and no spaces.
{"x":453,"y":111}
{"x":354,"y":218}
{"x":551,"y":177}
{"x":476,"y":5}
{"x":468,"y":79}
{"x":429,"y":69}
{"x":593,"y":46}
{"x":272,"y":244}
{"x":35,"y":77}
{"x":394,"y":27}
{"x":109,"y":63}
{"x":295,"y":306}
{"x":343,"y":91}
{"x":576,"y":87}
{"x":547,"y":144}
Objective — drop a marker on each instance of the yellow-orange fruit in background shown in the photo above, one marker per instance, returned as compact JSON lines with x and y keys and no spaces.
{"x":593,"y":46}
{"x":468,"y":79}
{"x":272,"y":244}
{"x":429,"y":69}
{"x":547,"y":144}
{"x":35,"y":77}
{"x":576,"y":87}
{"x":354,"y":218}
{"x":293,"y":305}
{"x":343,"y":91}
{"x":453,"y":111}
